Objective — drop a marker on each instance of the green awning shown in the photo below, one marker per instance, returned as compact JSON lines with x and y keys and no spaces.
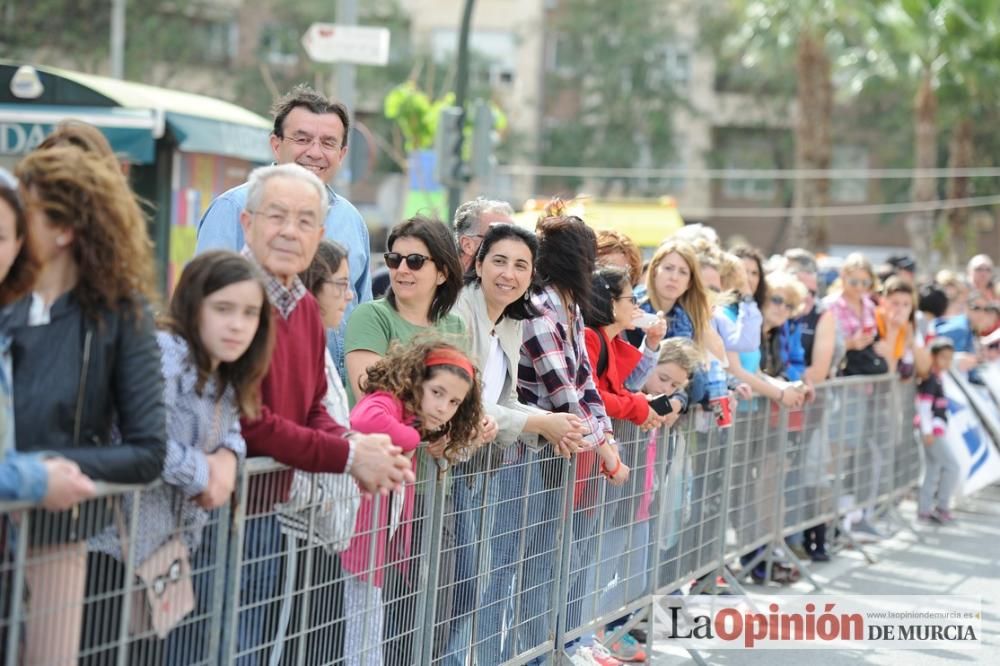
{"x":202,"y":135}
{"x":198,"y":123}
{"x":129,"y":131}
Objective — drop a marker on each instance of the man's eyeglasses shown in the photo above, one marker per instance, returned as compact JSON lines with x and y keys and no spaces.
{"x":413,"y":261}
{"x":280,"y":220}
{"x":325,"y":143}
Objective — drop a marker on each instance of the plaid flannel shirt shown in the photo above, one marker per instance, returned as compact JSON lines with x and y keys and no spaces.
{"x":554,"y":372}
{"x":284,"y":299}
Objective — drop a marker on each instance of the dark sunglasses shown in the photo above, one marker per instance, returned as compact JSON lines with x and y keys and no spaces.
{"x":413,"y":261}
{"x":779,"y":301}
{"x":855,"y":282}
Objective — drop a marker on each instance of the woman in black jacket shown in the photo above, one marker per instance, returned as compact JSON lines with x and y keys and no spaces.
{"x":87,"y":382}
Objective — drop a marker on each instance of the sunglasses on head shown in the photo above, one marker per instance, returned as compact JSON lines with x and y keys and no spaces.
{"x":413,"y":261}
{"x":779,"y":301}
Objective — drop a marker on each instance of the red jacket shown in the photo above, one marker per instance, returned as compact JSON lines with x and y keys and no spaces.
{"x":619,"y":402}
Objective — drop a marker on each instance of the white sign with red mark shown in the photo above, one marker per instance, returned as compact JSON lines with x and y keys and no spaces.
{"x":357,"y":44}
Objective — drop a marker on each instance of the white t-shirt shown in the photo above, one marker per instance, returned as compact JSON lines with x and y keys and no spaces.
{"x":494,"y":373}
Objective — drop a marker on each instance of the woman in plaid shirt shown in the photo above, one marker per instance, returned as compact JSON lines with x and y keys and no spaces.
{"x":555,"y":374}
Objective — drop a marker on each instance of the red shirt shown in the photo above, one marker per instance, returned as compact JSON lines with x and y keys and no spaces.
{"x":619,"y":402}
{"x":294,"y":427}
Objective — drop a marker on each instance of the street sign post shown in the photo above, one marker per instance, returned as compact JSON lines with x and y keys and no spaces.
{"x":361,"y":45}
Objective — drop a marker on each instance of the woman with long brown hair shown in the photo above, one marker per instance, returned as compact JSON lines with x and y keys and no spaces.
{"x":85,"y":364}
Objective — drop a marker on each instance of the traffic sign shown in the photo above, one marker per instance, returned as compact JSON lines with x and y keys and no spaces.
{"x":361,"y":45}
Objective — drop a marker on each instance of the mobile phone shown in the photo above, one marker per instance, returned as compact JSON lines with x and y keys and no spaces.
{"x":661,"y":404}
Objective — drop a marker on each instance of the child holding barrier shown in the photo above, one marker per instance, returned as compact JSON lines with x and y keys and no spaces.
{"x":941,"y":471}
{"x":215,"y":347}
{"x":426,"y":391}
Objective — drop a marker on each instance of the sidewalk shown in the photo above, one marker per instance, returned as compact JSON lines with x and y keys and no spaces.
{"x":958,"y":559}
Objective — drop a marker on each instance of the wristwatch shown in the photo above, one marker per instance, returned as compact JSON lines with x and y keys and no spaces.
{"x":746,"y":298}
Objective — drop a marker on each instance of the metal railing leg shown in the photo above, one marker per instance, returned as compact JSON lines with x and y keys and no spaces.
{"x":430,"y":570}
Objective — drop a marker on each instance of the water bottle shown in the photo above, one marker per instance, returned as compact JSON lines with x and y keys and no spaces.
{"x":718,"y":394}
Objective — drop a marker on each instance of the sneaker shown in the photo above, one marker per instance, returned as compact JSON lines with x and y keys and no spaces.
{"x":639,"y":635}
{"x":819,"y":556}
{"x":943,"y":516}
{"x":863,"y":531}
{"x":582,"y":657}
{"x":627,"y":649}
{"x":929,"y":518}
{"x":601,"y":656}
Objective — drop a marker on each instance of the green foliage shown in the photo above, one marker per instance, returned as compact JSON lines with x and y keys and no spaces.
{"x":414,"y":113}
{"x":612,"y":65}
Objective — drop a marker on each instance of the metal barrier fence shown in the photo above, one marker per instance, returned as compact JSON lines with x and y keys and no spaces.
{"x":506,"y":558}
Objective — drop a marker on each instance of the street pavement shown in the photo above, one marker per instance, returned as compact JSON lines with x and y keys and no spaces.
{"x":962,"y":558}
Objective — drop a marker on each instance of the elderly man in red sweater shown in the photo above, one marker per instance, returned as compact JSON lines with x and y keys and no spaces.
{"x":283,"y":225}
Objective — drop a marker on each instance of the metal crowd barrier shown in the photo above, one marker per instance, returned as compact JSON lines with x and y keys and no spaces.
{"x":505,"y":558}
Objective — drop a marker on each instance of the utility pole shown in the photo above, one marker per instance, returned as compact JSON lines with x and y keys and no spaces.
{"x":117,"y":39}
{"x":347,"y":14}
{"x":461,"y":91}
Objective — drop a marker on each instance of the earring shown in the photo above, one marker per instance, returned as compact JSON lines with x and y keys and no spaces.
{"x":62,"y":240}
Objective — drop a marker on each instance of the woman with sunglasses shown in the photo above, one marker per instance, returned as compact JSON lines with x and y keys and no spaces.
{"x":425,"y":278}
{"x":852,"y":305}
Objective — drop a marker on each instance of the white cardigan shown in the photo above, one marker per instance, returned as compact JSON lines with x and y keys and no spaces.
{"x":510,"y":414}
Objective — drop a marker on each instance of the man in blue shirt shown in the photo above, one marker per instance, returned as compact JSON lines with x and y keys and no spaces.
{"x":311,"y":131}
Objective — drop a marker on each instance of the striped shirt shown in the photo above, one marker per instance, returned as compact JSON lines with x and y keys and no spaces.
{"x":193,"y":430}
{"x":554,"y":372}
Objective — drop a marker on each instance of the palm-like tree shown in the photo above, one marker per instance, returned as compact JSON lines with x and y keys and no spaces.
{"x":816,"y":34}
{"x":928,"y":41}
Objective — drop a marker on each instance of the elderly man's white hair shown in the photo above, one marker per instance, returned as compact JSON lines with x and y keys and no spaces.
{"x":470,"y":212}
{"x":693,"y":232}
{"x":260,"y":176}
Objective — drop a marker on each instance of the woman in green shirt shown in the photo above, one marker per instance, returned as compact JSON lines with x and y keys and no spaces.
{"x":425,"y":277}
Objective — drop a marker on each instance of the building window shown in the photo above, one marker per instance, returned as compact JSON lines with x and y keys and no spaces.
{"x":279,"y":45}
{"x":749,"y":153}
{"x":216,"y":40}
{"x":493,"y":54}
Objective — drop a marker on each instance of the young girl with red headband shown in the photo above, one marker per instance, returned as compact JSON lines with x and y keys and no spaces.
{"x":424,"y":392}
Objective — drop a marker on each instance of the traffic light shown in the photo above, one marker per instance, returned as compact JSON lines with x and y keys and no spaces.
{"x":483,"y":141}
{"x":450,"y":169}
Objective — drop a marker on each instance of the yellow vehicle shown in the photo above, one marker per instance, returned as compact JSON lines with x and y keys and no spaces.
{"x":646,"y":222}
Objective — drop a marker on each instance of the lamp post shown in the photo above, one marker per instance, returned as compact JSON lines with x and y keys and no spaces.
{"x":461,"y":91}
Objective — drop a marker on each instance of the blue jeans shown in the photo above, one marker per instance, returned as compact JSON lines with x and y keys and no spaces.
{"x":259,"y":579}
{"x":467,"y":499}
{"x":515,"y":610}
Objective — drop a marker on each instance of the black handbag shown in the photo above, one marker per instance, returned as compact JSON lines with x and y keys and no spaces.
{"x":863,"y":362}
